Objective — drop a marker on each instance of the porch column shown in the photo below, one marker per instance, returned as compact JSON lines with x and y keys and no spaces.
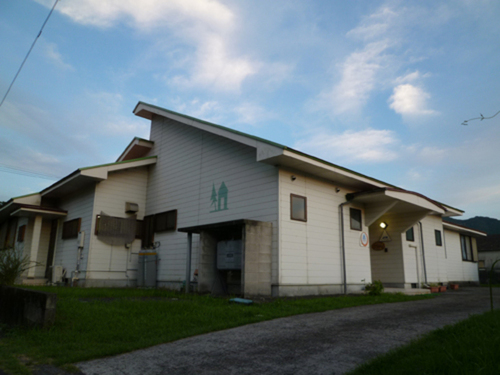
{"x":35,"y":242}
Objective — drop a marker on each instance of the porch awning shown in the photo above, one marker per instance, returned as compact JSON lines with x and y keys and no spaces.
{"x":26,"y":210}
{"x":411,"y":200}
{"x":463,"y":230}
{"x":383,"y":201}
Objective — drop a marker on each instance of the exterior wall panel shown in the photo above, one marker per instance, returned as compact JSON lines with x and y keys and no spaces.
{"x":310,"y":252}
{"x":191,"y":163}
{"x":78,"y":205}
{"x":117,"y":262}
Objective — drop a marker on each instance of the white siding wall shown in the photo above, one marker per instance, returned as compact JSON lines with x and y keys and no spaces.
{"x":24,"y":247}
{"x":459,"y":270}
{"x":435,"y":256}
{"x":107,"y":261}
{"x":310,"y":252}
{"x":43,"y":249}
{"x":78,"y":205}
{"x":190,"y":162}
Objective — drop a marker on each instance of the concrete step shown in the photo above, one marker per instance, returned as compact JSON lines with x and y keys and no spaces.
{"x":37,"y":281}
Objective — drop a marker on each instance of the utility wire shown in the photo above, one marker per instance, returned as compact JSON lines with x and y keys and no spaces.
{"x":25,"y":172}
{"x":26,"y":58}
{"x":466,"y":122}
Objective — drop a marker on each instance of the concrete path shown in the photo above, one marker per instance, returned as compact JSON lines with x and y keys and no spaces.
{"x":332,"y":342}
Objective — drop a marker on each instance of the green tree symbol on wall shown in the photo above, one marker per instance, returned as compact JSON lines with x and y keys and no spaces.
{"x":214,"y":198}
{"x":219,"y":198}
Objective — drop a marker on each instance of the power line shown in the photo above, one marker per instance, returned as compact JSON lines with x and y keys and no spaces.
{"x":26,"y":58}
{"x":466,"y":122}
{"x":25,"y":172}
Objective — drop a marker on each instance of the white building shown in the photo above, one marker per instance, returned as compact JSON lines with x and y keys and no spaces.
{"x":285,"y":223}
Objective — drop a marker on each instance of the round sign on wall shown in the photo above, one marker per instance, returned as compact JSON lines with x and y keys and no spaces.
{"x":363,"y":239}
{"x":378,"y":246}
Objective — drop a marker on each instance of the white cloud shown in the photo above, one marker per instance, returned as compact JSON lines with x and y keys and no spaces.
{"x":216,"y":68}
{"x":410,"y":100}
{"x":52,"y":53}
{"x":147,"y":14}
{"x":366,"y":146}
{"x":209,"y":110}
{"x":359,"y":72}
{"x":411,"y":77}
{"x":250,"y":113}
{"x":109,"y":118}
{"x":414,"y":175}
{"x":208,"y":25}
{"x":375,"y":25}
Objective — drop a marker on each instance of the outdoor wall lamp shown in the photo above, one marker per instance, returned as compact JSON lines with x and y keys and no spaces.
{"x":383,"y":225}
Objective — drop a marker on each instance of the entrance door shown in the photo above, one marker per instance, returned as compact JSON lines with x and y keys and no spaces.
{"x":52,"y":245}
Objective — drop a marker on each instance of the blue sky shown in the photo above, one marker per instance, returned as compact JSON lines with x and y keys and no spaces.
{"x":380,"y":87}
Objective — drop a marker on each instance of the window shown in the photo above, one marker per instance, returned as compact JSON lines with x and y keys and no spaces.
{"x":410,"y":235}
{"x":466,"y":244}
{"x":115,"y":230}
{"x":162,"y":222}
{"x":20,"y":233}
{"x":355,"y":219}
{"x":165,"y":221}
{"x":71,"y":229}
{"x":439,"y":241}
{"x":298,"y":207}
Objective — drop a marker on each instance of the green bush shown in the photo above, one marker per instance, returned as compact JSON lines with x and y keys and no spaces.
{"x":12,"y":265}
{"x":374,"y":289}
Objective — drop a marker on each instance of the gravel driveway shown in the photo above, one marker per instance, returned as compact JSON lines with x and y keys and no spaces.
{"x":331,"y":342}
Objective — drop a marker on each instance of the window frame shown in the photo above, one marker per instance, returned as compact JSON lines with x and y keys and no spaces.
{"x":292,"y":196}
{"x":438,"y":237}
{"x":351,"y":210}
{"x":67,"y":226}
{"x":21,"y":231}
{"x":463,"y":239}
{"x":166,"y":228}
{"x":412,"y":231}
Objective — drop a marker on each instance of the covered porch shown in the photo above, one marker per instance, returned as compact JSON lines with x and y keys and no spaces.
{"x":31,"y":231}
{"x":235,"y":257}
{"x":396,"y":260}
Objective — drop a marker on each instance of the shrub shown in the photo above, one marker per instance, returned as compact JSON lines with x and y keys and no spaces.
{"x":12,"y":265}
{"x":374,"y":289}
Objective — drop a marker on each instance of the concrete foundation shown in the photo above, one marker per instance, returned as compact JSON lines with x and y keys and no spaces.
{"x":315,"y":290}
{"x":27,"y":307}
{"x":256,"y":238}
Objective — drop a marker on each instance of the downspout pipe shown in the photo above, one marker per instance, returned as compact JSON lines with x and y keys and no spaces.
{"x":423,"y":250}
{"x":342,"y":243}
{"x":188,"y":261}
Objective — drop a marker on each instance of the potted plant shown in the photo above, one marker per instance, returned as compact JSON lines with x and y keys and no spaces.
{"x":434,"y":288}
{"x":453,"y":286}
{"x":442,"y":288}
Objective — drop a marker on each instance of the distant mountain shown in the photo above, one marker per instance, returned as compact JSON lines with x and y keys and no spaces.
{"x":485,"y":224}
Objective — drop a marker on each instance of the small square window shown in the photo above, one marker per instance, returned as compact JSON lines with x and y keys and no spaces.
{"x":439,"y":241}
{"x":356,"y":223}
{"x":298,"y":207}
{"x":71,"y":229}
{"x":165,"y":221}
{"x":410,"y":235}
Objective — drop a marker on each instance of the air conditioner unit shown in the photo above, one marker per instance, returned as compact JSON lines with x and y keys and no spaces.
{"x":57,"y":274}
{"x":131,"y":208}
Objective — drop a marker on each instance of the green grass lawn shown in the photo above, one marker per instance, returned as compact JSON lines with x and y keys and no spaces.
{"x":95,"y":322}
{"x":468,"y":347}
